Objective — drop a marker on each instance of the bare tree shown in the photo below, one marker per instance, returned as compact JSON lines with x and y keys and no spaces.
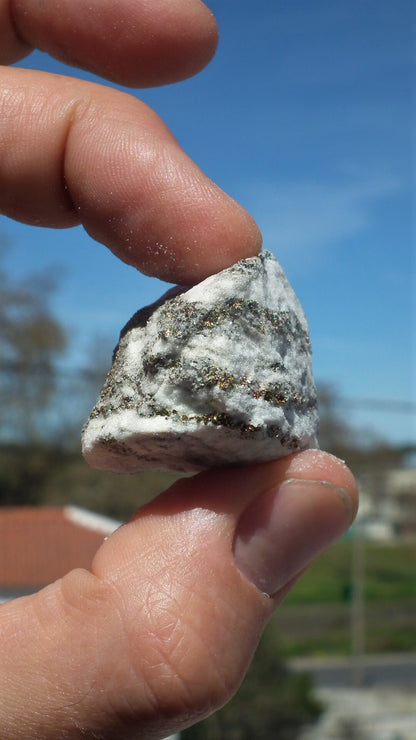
{"x":31,"y":339}
{"x":335,"y":434}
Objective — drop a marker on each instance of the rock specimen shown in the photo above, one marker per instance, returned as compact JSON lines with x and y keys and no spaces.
{"x":217,"y":374}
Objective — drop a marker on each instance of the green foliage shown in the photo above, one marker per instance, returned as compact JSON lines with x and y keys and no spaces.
{"x":325,"y":629}
{"x":41,"y":474}
{"x":389,"y":570}
{"x":112,"y":494}
{"x":272,"y":703}
{"x":316,"y":617}
{"x":24,"y":471}
{"x":391,"y":627}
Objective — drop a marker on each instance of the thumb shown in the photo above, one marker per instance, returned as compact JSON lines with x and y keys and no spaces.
{"x":162,"y":631}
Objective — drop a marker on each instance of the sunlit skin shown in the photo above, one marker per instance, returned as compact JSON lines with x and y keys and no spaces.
{"x":161,"y":631}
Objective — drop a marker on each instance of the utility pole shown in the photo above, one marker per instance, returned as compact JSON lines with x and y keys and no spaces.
{"x":358,"y":605}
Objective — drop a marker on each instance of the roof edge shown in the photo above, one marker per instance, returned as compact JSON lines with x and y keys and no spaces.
{"x":91,"y":520}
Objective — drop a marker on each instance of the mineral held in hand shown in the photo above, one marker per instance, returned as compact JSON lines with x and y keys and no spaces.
{"x":217,"y":374}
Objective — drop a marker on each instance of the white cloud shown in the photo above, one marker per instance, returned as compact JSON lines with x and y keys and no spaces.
{"x":301,"y":219}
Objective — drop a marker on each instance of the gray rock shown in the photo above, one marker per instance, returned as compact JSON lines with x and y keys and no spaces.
{"x":217,"y":374}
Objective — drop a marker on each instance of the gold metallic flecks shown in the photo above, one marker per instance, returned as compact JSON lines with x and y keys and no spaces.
{"x":181,"y":319}
{"x":222,"y":420}
{"x":197,"y":377}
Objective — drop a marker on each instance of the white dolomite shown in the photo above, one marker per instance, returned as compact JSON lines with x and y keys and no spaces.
{"x":218,"y":374}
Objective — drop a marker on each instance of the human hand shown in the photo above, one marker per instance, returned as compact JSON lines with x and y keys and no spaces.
{"x":75,"y":152}
{"x":161,"y":631}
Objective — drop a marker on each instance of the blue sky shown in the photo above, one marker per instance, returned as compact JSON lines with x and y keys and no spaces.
{"x":304,"y":116}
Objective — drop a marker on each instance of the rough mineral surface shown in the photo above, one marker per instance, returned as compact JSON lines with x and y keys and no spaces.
{"x":218,"y":374}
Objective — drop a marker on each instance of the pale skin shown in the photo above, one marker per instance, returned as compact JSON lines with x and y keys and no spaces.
{"x":161,"y":631}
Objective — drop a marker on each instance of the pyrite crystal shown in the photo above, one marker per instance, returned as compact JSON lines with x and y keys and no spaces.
{"x":217,"y":374}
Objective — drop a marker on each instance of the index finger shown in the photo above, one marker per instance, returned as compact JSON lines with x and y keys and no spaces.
{"x":133,"y":42}
{"x":75,"y":152}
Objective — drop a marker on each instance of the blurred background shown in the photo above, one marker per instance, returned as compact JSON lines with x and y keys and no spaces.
{"x":303,"y":116}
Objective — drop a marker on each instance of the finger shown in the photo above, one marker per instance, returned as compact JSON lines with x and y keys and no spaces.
{"x":133,"y":42}
{"x":72,"y":151}
{"x":12,"y":46}
{"x":162,"y":633}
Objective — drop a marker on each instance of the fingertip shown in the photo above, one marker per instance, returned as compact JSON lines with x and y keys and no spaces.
{"x":203,"y":34}
{"x":200,"y":249}
{"x":316,"y":464}
{"x":173,"y":41}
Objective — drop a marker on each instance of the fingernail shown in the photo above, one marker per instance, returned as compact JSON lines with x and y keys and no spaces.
{"x":282,"y":530}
